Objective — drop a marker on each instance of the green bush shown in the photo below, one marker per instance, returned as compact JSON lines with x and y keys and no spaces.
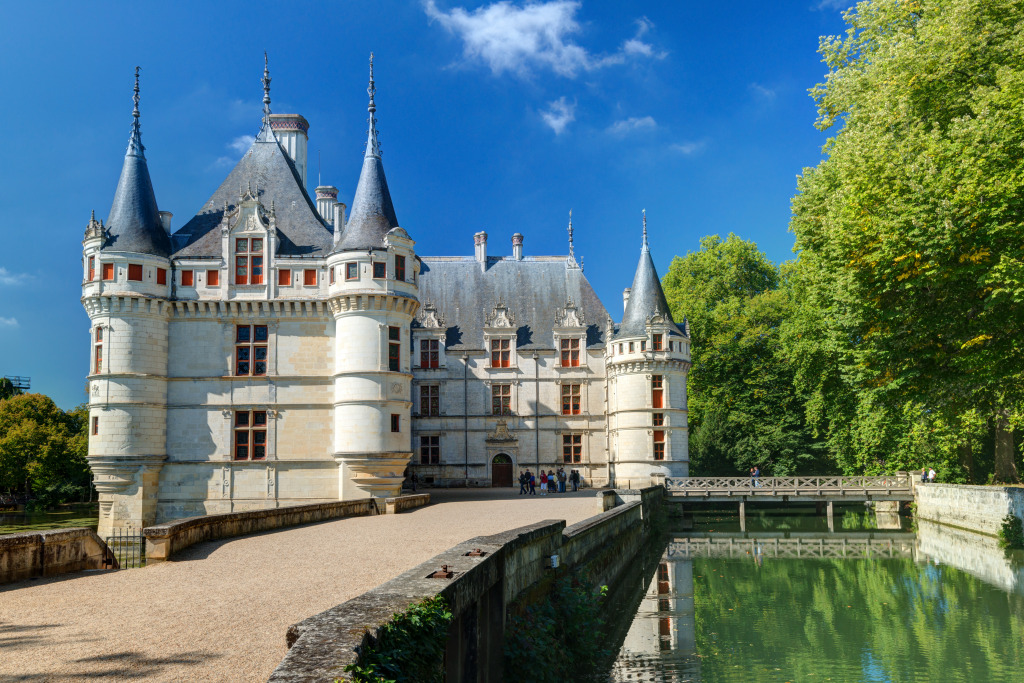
{"x":409,"y":649}
{"x":559,"y":638}
{"x":1011,"y":535}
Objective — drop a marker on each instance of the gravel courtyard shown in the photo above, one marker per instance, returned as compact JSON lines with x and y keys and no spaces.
{"x":219,"y":611}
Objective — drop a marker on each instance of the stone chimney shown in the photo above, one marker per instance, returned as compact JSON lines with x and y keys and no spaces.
{"x":625,"y":298}
{"x":292,"y":131}
{"x":517,"y":246}
{"x":326,"y":198}
{"x":165,"y":220}
{"x":339,"y":217}
{"x":480,"y":242}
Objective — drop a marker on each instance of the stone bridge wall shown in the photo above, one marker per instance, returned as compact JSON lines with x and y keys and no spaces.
{"x":975,"y":508}
{"x":48,"y":553}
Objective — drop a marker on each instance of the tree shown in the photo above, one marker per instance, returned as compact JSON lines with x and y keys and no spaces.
{"x":911,"y":231}
{"x":7,"y":388}
{"x":743,"y":408}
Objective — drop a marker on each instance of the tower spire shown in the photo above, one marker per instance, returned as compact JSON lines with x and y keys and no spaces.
{"x":645,"y":246}
{"x":372,"y":145}
{"x":135,"y":147}
{"x":266,"y":90}
{"x":572,"y":253}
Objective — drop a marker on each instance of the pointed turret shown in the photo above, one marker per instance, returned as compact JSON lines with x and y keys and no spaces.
{"x":134,"y":221}
{"x":373,"y":214}
{"x":646,"y":297}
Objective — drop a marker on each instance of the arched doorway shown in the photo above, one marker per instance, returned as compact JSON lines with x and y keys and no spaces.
{"x":501,"y":471}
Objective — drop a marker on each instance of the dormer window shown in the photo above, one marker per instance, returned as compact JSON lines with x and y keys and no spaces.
{"x":570,"y":353}
{"x":658,"y":343}
{"x":400,"y":268}
{"x":249,"y":261}
{"x":501,"y":353}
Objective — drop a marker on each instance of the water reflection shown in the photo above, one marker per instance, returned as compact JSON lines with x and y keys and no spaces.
{"x":788,"y":602}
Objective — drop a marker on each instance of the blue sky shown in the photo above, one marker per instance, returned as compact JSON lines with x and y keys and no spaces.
{"x":493,"y":116}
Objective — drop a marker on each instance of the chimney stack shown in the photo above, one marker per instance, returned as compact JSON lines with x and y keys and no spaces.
{"x":339,"y":217}
{"x":517,"y":246}
{"x":165,"y":220}
{"x":480,"y":242}
{"x":292,"y":131}
{"x":625,"y":298}
{"x":326,"y":198}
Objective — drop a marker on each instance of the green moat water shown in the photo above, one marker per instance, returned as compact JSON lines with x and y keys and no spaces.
{"x":788,"y":601}
{"x":66,"y":517}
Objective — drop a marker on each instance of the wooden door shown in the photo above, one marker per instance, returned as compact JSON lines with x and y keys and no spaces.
{"x":501,"y":471}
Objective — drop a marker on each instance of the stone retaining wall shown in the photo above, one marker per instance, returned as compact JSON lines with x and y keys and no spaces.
{"x":975,"y":508}
{"x":47,"y":553}
{"x":478,"y":594}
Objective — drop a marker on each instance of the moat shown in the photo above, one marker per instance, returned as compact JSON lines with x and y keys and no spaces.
{"x":789,"y":601}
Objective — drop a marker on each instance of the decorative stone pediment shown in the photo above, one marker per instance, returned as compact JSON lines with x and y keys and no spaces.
{"x":429,"y":317}
{"x":501,"y":316}
{"x":500,"y":433}
{"x":570,"y":316}
{"x":250,"y":215}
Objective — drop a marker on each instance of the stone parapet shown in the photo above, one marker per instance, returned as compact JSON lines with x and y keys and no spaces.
{"x":48,"y":553}
{"x":975,"y":508}
{"x":403,"y":503}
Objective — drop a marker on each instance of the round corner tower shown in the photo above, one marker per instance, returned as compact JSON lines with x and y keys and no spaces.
{"x":647,"y":359}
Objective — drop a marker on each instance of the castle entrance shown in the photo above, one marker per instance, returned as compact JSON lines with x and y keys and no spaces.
{"x":501,"y":471}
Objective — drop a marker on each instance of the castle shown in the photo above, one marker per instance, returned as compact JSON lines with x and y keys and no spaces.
{"x":274,"y":351}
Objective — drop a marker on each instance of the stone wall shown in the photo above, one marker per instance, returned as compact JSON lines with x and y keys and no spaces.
{"x":48,"y":553}
{"x":975,"y":508}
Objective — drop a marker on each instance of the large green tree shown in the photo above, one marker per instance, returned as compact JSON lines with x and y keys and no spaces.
{"x":743,"y":408}
{"x":911,"y":231}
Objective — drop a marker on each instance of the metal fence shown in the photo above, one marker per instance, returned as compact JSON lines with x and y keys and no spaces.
{"x":129,"y":547}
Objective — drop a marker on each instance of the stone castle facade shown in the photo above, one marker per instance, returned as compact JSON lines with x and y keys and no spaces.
{"x":274,"y":351}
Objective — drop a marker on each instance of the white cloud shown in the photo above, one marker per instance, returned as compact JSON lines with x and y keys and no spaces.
{"x":632,"y":124}
{"x":10,"y":279}
{"x":559,"y":114}
{"x":687,"y":148}
{"x":762,"y":91}
{"x":517,"y":39}
{"x":8,"y":322}
{"x":242,"y":143}
{"x":837,"y":5}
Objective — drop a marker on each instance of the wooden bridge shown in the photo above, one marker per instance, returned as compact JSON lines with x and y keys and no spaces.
{"x":803,"y":546}
{"x":826,"y":490}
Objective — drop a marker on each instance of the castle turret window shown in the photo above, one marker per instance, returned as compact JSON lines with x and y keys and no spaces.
{"x":95,"y":425}
{"x":570,"y":399}
{"x":394,"y":349}
{"x":657,"y":392}
{"x":396,"y":422}
{"x":500,"y":353}
{"x":135,"y":272}
{"x":213,"y":278}
{"x":430,"y":400}
{"x":429,"y":353}
{"x":501,"y":399}
{"x":92,"y":268}
{"x":570,"y":353}
{"x":659,"y":444}
{"x":658,"y":344}
{"x":331,"y":271}
{"x":430,"y":450}
{"x":187,"y":278}
{"x":97,"y":358}
{"x":351,"y":271}
{"x":380,"y":270}
{"x":309,"y":277}
{"x":572,"y":448}
{"x":161,"y":276}
{"x":399,"y":267}
{"x":631,"y":347}
{"x":250,"y":435}
{"x":249,"y":261}
{"x":250,"y":350}
{"x":284,"y":277}
{"x":108,"y":271}
{"x":658,"y":419}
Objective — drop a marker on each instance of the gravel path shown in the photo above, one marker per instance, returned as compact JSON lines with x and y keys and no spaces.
{"x":219,"y":611}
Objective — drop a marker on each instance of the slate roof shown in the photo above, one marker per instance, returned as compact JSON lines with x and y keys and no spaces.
{"x":372,"y":213}
{"x":134,"y":220}
{"x":646,"y":298}
{"x":268,"y":168}
{"x":533,"y":289}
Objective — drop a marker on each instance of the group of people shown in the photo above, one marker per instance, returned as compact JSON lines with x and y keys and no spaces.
{"x":927,"y":475}
{"x":550,"y":481}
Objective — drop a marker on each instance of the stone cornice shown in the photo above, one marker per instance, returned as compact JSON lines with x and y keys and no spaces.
{"x":126,"y":304}
{"x":638,"y":366}
{"x":373,"y":301}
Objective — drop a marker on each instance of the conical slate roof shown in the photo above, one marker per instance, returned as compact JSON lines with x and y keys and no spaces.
{"x":373,"y":214}
{"x":134,"y":220}
{"x":646,"y":298}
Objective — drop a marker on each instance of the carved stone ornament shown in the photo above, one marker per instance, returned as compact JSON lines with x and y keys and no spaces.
{"x":501,"y":316}
{"x":570,"y":316}
{"x":501,"y":433}
{"x":396,"y":388}
{"x":429,"y":317}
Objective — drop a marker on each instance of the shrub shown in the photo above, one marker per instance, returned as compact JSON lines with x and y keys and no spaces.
{"x":1011,"y":535}
{"x":409,"y":649}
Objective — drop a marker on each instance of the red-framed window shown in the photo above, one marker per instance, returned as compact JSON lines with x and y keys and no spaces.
{"x":284,"y":277}
{"x":92,"y":268}
{"x":572,"y":448}
{"x":250,"y":350}
{"x":135,"y":272}
{"x":213,"y":278}
{"x":570,"y":353}
{"x":659,"y":444}
{"x":631,"y":347}
{"x":399,"y":267}
{"x":620,"y":349}
{"x":331,"y":275}
{"x":657,"y":392}
{"x":351,"y":271}
{"x":430,"y":450}
{"x":97,"y":354}
{"x":107,"y":270}
{"x":570,"y":399}
{"x":95,"y":425}
{"x":396,"y":422}
{"x":309,"y":277}
{"x":248,"y":261}
{"x":250,"y":435}
{"x":188,"y":278}
{"x":430,"y":400}
{"x":394,"y":349}
{"x":658,"y":344}
{"x":501,"y":353}
{"x":430,"y":353}
{"x":380,"y":270}
{"x":501,"y":399}
{"x":161,"y":276}
{"x":658,"y":419}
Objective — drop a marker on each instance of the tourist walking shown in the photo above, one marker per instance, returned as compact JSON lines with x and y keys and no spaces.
{"x":552,"y":484}
{"x":543,"y":483}
{"x":574,"y":478}
{"x":533,"y":483}
{"x":924,"y":475}
{"x":561,"y":480}
{"x":931,"y":476}
{"x":414,"y":480}
{"x":523,"y":479}
{"x":757,"y":475}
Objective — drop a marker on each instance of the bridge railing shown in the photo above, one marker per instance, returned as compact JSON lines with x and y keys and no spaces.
{"x":803,"y":548}
{"x":706,"y":486}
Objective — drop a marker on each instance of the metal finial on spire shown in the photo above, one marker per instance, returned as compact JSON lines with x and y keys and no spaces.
{"x":372,"y":145}
{"x":135,"y":146}
{"x":571,"y":252}
{"x":266,"y":90}
{"x":645,"y":245}
{"x":135,"y":98}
